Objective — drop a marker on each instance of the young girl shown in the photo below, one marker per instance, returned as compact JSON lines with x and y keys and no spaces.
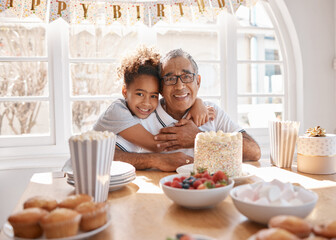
{"x":141,"y":97}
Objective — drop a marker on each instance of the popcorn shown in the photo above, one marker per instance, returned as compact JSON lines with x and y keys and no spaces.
{"x":92,"y":135}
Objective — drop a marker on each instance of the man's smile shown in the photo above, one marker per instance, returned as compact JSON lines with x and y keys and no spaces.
{"x":181,"y":96}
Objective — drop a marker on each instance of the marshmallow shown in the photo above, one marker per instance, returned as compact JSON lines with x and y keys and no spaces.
{"x":274,"y":193}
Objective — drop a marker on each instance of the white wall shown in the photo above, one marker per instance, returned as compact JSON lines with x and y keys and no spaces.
{"x":314,"y":21}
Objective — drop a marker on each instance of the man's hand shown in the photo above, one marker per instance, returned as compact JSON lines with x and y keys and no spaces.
{"x":251,"y":149}
{"x":168,"y":162}
{"x":181,"y":136}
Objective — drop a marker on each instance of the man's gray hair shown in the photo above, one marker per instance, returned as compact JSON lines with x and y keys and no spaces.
{"x":178,"y":53}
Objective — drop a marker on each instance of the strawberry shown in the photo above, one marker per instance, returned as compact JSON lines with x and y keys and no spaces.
{"x":198,"y":175}
{"x":197,"y":183}
{"x":177,"y":179}
{"x":185,"y":237}
{"x":219,"y":176}
{"x":206,"y":175}
{"x":202,"y":186}
{"x":209,"y":184}
{"x":219,"y":185}
{"x":168,"y":184}
{"x":203,"y":180}
{"x":176,"y":184}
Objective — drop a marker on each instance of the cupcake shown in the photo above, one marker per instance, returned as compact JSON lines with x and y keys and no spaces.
{"x":26,"y":222}
{"x":295,"y":225}
{"x":74,"y":200}
{"x":275,"y":234}
{"x":44,"y":202}
{"x":94,"y":215}
{"x":327,"y":230}
{"x":60,"y":223}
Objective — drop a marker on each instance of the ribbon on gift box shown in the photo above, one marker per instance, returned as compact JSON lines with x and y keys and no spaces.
{"x":315,"y":164}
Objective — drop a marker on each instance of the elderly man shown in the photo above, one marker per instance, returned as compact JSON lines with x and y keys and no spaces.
{"x":180,"y":84}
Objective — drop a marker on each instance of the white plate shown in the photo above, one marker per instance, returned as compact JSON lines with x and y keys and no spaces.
{"x":187,"y":169}
{"x":126,"y":178}
{"x":71,"y":181}
{"x":8,"y":230}
{"x":112,"y":187}
{"x":118,"y":169}
{"x":200,"y":237}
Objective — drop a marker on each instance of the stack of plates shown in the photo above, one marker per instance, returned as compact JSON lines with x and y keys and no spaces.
{"x":121,"y":174}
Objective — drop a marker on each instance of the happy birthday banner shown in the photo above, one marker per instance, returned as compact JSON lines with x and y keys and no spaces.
{"x":125,"y":13}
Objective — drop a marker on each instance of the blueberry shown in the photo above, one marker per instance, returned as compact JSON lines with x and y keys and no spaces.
{"x":179,"y":235}
{"x":185,"y":185}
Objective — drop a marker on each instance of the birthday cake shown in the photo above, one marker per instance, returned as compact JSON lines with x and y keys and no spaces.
{"x":219,"y":151}
{"x":316,"y":152}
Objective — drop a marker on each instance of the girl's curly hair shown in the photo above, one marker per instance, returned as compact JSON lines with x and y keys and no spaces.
{"x":145,"y":61}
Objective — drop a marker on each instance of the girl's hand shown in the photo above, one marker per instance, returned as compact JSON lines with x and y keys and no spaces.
{"x":198,"y":119}
{"x":198,"y":113}
{"x":201,"y":114}
{"x":211,"y":113}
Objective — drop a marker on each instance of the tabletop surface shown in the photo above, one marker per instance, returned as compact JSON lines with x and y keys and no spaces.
{"x":141,"y":210}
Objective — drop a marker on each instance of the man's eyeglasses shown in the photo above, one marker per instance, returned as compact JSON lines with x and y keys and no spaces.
{"x":185,"y":78}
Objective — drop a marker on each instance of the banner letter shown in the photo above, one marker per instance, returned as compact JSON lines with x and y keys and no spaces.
{"x":116,"y":11}
{"x":33,"y":4}
{"x":85,"y":8}
{"x":160,"y":8}
{"x":61,"y":6}
{"x":201,"y":5}
{"x":181,"y":9}
{"x":11,"y":3}
{"x":138,"y":11}
{"x":221,"y":3}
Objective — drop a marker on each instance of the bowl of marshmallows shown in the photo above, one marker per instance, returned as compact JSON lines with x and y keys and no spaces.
{"x":261,"y":201}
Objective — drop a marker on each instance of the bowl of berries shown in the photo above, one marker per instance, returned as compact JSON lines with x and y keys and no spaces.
{"x":200,"y":190}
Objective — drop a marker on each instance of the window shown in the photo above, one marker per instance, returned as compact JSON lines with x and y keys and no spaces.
{"x":56,"y":79}
{"x":260,"y":80}
{"x":25,"y":106}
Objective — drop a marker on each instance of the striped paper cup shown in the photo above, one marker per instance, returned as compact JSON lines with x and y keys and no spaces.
{"x":91,"y":158}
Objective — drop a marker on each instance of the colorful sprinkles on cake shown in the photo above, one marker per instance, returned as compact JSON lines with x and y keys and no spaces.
{"x":219,"y":151}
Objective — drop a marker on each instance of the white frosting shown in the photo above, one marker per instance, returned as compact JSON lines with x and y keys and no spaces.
{"x":92,"y":135}
{"x":275,"y":193}
{"x":317,"y":146}
{"x":219,"y":136}
{"x":219,"y":151}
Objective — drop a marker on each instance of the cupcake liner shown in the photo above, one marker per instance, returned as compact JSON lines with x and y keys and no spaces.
{"x":63,"y":228}
{"x":95,"y":212}
{"x":27,"y":230}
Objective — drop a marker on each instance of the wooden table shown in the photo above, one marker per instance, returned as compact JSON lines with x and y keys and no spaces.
{"x":141,"y":210}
